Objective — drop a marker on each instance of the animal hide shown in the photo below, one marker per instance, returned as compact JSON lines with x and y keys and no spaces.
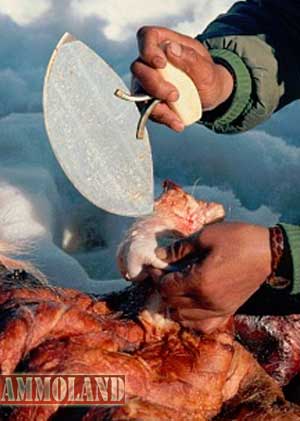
{"x":172,"y":373}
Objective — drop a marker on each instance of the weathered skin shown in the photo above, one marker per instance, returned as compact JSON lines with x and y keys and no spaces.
{"x":171,"y":373}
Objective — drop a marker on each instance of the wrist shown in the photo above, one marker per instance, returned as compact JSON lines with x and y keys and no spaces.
{"x":222,"y":118}
{"x":226,"y":84}
{"x":224,"y":93}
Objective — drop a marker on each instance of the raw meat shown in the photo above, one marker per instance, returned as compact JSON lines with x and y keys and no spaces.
{"x":171,"y":373}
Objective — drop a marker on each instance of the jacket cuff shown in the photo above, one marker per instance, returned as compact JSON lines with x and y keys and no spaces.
{"x":293,"y":236}
{"x":241,"y":98}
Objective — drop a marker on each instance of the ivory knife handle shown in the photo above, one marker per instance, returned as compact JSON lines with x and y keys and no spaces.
{"x":188,"y":106}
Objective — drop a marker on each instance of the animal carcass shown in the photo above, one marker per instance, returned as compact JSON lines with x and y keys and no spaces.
{"x":171,"y":373}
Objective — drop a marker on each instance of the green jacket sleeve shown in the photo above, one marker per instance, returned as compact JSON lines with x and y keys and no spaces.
{"x":259,"y":42}
{"x":293,"y":235}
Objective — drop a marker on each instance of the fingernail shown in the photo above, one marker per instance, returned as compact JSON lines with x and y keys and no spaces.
{"x":173,"y":96}
{"x":176,"y":49}
{"x":159,"y":62}
{"x":178,"y":125}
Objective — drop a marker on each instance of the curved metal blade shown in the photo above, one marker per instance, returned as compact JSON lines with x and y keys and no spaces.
{"x":93,"y":133}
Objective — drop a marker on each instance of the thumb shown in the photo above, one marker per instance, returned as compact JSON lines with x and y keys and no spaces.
{"x":190,"y":62}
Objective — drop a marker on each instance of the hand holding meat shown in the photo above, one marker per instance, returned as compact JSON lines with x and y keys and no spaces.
{"x":171,"y":373}
{"x":233,"y":260}
{"x":176,"y":214}
{"x":157,"y":46}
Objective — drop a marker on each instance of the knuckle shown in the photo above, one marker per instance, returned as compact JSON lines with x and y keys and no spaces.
{"x":192,"y":55}
{"x":152,"y":88}
{"x":158,"y":116}
{"x":135,"y":67}
{"x":142,"y":31}
{"x":156,"y":90}
{"x":132,"y":66}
